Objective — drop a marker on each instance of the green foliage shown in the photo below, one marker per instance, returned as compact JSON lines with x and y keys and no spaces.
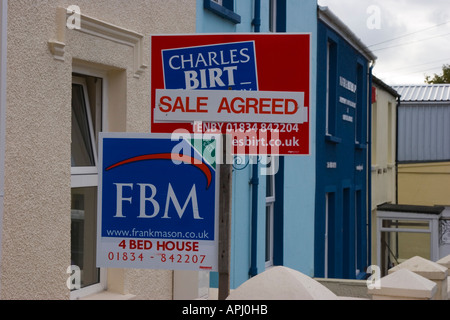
{"x":443,"y":78}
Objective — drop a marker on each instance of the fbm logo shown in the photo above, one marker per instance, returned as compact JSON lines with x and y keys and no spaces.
{"x":145,"y":189}
{"x":230,"y":66}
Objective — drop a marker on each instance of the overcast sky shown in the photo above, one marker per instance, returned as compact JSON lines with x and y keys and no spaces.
{"x":411,"y":38}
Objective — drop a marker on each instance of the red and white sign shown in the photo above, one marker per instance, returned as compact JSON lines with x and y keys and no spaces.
{"x":255,"y":87}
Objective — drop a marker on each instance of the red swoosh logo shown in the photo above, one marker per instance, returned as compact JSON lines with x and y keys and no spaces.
{"x":169,"y":156}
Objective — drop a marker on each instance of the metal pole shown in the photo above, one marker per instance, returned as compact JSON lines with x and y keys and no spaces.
{"x":225,"y":199}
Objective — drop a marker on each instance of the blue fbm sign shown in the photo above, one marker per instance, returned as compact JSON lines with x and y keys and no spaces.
{"x":212,"y":67}
{"x":157,"y":203}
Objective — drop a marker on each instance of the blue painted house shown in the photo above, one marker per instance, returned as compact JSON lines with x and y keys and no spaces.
{"x":312,"y":215}
{"x":342,"y":233}
{"x":272,"y":216}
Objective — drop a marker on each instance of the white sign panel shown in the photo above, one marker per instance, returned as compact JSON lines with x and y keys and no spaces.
{"x":230,"y":106}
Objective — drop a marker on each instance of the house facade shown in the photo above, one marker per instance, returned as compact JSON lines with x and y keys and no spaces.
{"x":85,"y":69}
{"x":383,"y":151}
{"x":66,"y":73}
{"x":342,"y":238}
{"x":418,"y":224}
{"x":272,"y":215}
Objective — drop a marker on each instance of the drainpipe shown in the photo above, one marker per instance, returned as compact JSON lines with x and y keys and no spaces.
{"x":257,"y":20}
{"x":396,"y":148}
{"x":254,"y":182}
{"x":369,"y":168}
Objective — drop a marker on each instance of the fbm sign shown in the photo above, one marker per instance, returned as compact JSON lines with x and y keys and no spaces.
{"x":255,"y":87}
{"x":157,"y":203}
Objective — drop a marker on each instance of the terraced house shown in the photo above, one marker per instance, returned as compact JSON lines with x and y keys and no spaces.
{"x":67,"y":73}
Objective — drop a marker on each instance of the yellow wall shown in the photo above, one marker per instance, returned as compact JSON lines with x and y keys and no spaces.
{"x":424,"y":183}
{"x":383,"y":155}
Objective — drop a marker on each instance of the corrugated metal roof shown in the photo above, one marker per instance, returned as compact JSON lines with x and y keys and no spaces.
{"x":424,"y":93}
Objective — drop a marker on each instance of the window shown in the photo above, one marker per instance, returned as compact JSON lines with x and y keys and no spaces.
{"x":87,"y":92}
{"x":270,"y":206}
{"x":84,"y":151}
{"x":375,"y":125}
{"x":329,"y":234}
{"x":223,"y":8}
{"x":360,"y":224}
{"x":390,"y":135}
{"x":330,"y":117}
{"x":347,"y":234}
{"x":277,"y":16}
{"x":360,"y":104}
{"x":406,"y":231}
{"x":404,"y":239}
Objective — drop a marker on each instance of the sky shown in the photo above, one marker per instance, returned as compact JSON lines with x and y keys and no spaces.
{"x":411,"y":38}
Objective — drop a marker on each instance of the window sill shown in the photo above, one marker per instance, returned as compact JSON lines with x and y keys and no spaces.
{"x":333,"y":139}
{"x":106,"y":295}
{"x":361,"y":146}
{"x":222,"y":11}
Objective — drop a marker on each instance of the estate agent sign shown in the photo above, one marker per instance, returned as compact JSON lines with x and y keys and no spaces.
{"x":255,"y":87}
{"x":157,"y":203}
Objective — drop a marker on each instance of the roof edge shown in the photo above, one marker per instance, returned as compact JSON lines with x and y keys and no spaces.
{"x":328,"y":17}
{"x":383,"y":85}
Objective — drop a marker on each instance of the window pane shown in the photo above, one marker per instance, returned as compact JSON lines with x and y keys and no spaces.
{"x":397,"y":247}
{"x":407,"y":224}
{"x":82,"y":151}
{"x":269,"y":233}
{"x":331,"y":88}
{"x":83,"y":234}
{"x":270,"y":185}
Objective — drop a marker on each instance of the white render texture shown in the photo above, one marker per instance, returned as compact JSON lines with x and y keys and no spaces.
{"x":37,"y":201}
{"x":444,"y":262}
{"x":281,"y":283}
{"x":404,"y":284}
{"x":427,"y":269}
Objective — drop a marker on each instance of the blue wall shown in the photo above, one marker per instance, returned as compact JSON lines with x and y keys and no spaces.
{"x":299,"y":172}
{"x":295,"y":192}
{"x":342,"y":163}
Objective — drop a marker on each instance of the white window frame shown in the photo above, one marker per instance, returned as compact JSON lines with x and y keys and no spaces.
{"x":273,"y":16}
{"x":87,"y":170}
{"x":84,"y":177}
{"x":270,"y":205}
{"x":432,"y":230}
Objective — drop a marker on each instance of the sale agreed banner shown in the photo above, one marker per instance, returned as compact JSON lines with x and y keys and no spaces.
{"x":255,"y":87}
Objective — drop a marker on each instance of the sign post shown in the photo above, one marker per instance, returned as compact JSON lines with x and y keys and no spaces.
{"x":254,"y":89}
{"x":225,"y":201}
